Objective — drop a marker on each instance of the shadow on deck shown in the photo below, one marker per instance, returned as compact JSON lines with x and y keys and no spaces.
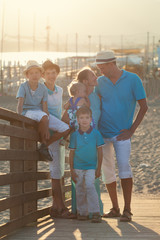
{"x":145,"y":225}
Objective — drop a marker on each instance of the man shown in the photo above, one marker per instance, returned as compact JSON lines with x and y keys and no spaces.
{"x":119,"y":91}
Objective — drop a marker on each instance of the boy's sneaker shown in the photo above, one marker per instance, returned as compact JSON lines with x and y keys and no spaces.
{"x":43,"y":150}
{"x":96,"y":218}
{"x":82,"y":217}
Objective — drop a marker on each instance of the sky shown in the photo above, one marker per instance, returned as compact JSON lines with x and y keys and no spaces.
{"x":131,"y":19}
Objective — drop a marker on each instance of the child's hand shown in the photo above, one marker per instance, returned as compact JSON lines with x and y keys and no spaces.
{"x":74,"y":176}
{"x":98,"y":173}
{"x":66,"y":105}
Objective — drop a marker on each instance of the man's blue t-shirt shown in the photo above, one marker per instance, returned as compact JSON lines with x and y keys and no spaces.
{"x":118,"y":102}
{"x":85,"y":145}
{"x":32,"y":101}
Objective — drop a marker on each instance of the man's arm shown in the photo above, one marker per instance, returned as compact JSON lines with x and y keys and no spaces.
{"x":127,"y":134}
{"x":20,"y":105}
{"x":100,"y":157}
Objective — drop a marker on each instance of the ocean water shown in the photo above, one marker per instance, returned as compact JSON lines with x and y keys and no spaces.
{"x":23,"y":57}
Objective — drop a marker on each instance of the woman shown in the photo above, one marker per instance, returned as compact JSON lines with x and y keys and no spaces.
{"x":89,"y":79}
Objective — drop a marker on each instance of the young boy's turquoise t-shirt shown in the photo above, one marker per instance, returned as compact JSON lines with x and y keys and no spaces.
{"x":85,"y":145}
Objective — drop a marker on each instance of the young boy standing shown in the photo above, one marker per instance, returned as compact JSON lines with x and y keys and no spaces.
{"x":85,"y":164}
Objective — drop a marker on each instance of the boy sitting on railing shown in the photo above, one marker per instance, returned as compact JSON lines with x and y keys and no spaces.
{"x":32,"y":103}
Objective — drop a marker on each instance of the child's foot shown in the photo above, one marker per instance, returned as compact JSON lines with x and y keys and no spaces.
{"x":82,"y":217}
{"x":96,"y":218}
{"x":43,"y":149}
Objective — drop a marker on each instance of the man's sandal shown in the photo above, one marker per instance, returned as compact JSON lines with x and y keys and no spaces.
{"x":112,"y":213}
{"x":126,"y":216}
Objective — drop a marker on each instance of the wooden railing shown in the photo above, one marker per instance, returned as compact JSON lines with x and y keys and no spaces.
{"x":23,"y":176}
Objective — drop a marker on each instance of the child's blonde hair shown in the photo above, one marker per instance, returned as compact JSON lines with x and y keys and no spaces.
{"x":73,"y":87}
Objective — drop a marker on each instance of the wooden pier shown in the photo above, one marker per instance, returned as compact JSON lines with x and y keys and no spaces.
{"x":27,"y":221}
{"x":145,"y":225}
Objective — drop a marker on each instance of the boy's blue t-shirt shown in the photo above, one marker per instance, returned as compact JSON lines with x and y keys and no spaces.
{"x":118,"y":102}
{"x":32,"y":102}
{"x":85,"y":145}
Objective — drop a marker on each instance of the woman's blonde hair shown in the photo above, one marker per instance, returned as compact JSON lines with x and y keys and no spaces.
{"x":74,"y":86}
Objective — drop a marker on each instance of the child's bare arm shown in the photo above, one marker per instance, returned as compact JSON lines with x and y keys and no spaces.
{"x":20,"y":105}
{"x":84,"y":102}
{"x":45,"y":107}
{"x":66,"y":105}
{"x":71,"y":156}
{"x":87,"y":102}
{"x":100,"y":156}
{"x":46,"y":133}
{"x":65,"y":117}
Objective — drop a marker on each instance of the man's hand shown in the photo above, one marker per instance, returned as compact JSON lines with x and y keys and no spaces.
{"x":125,"y":134}
{"x":74,"y":176}
{"x":98,"y":173}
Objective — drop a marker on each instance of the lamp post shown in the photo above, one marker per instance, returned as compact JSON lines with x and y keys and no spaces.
{"x":89,"y":43}
{"x":48,"y":37}
{"x":76,"y":51}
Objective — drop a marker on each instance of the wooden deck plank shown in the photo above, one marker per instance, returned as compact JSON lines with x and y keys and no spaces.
{"x":145,"y":225}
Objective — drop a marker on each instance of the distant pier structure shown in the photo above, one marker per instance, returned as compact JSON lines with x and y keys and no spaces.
{"x":11,"y":74}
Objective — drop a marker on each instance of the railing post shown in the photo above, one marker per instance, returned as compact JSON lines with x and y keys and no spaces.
{"x":16,"y":166}
{"x":30,"y":186}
